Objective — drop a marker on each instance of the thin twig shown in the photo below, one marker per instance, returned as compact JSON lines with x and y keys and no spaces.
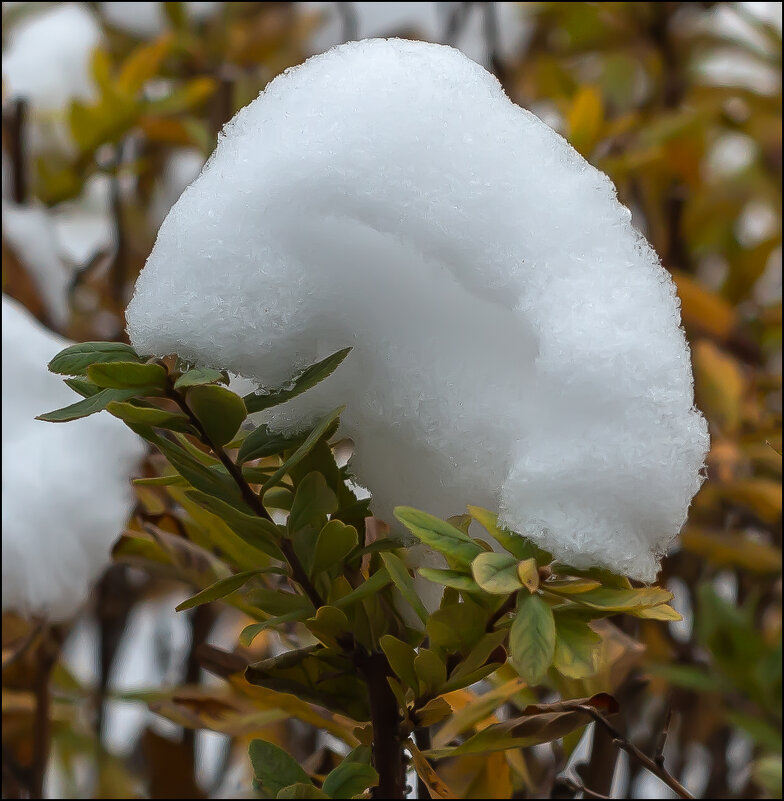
{"x":626,"y":745}
{"x":578,"y":787}
{"x":659,"y":755}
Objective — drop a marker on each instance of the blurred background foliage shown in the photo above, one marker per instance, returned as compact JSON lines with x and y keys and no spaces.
{"x":680,"y":103}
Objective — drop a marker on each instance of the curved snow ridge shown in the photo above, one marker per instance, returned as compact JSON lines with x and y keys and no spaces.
{"x":66,"y":486}
{"x":517,"y":344}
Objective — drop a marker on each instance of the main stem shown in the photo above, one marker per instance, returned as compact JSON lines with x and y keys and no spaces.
{"x":385,"y":717}
{"x":384,"y":712}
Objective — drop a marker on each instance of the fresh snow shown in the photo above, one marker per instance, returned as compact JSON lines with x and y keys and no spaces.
{"x":47,"y":57}
{"x":517,"y":344}
{"x":66,"y":486}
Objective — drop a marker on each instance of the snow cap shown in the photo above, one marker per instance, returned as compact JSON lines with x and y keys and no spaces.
{"x":517,"y":343}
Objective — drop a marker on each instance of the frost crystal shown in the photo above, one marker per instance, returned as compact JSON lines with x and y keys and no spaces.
{"x":517,"y":344}
{"x":66,"y":490}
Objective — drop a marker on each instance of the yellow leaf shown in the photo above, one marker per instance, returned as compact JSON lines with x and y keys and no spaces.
{"x":435,"y":785}
{"x":477,"y":712}
{"x":494,"y":779}
{"x":585,"y":119}
{"x":719,"y":385}
{"x":528,"y":572}
{"x":732,"y":549}
{"x":660,"y":612}
{"x":143,"y":64}
{"x":704,"y":310}
{"x":761,"y":495}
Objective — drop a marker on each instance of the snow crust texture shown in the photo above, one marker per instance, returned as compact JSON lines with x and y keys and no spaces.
{"x":66,"y":486}
{"x":517,"y":344}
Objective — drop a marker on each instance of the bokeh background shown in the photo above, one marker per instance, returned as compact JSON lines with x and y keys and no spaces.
{"x":109,"y":112}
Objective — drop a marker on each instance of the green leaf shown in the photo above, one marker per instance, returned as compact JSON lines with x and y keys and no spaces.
{"x":75,"y":360}
{"x":278,"y":498}
{"x":198,"y":376}
{"x":320,"y":430}
{"x":520,"y":732}
{"x":218,"y":409}
{"x":430,"y":670}
{"x":604,"y":577}
{"x":274,"y":602}
{"x":401,"y":658}
{"x":349,"y":780}
{"x":215,"y":483}
{"x":450,"y":578}
{"x":439,"y":535}
{"x":517,"y":545}
{"x":456,"y":627}
{"x":402,"y":579}
{"x":220,"y":589}
{"x":434,"y":711}
{"x":249,"y":633}
{"x":466,"y":680}
{"x":261,"y":442}
{"x":611,"y":600}
{"x":158,"y":418}
{"x":496,"y":573}
{"x":258,"y":532}
{"x":87,"y":406}
{"x":313,"y":501}
{"x":273,"y":768}
{"x":304,"y":381}
{"x":301,"y":790}
{"x":335,"y":542}
{"x":376,"y":582}
{"x":328,"y":624}
{"x":82,"y":387}
{"x":575,"y":647}
{"x":480,"y":653}
{"x":532,"y":638}
{"x":127,"y":375}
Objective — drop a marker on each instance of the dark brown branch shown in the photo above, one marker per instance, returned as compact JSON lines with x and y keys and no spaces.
{"x":626,"y":745}
{"x":388,"y":757}
{"x":298,"y":572}
{"x":14,"y":125}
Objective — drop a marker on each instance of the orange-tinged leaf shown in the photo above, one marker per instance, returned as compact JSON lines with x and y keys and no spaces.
{"x":143,"y":64}
{"x":436,"y":786}
{"x":702,"y":309}
{"x":732,"y":549}
{"x":585,"y":119}
{"x":719,"y":385}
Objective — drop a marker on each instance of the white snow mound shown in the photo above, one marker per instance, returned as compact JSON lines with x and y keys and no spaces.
{"x":47,"y":59}
{"x":66,"y":486}
{"x":517,"y":344}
